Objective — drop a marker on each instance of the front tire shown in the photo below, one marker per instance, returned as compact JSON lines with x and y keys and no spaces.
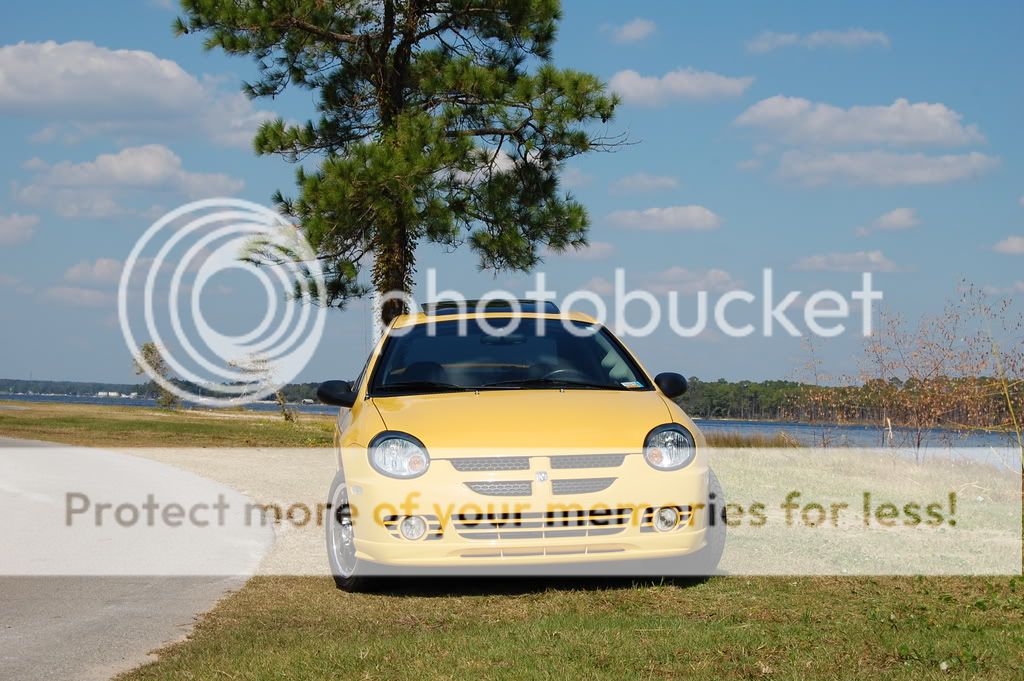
{"x":340,"y":531}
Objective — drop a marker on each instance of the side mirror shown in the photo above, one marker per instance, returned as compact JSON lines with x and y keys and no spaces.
{"x":338,"y":393}
{"x":673,"y":385}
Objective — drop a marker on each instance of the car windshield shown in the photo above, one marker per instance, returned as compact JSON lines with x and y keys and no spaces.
{"x":529,"y":358}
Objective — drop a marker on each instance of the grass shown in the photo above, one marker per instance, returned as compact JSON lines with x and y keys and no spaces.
{"x":747,"y":440}
{"x":725,"y":627}
{"x":109,"y":426}
{"x":730,"y":628}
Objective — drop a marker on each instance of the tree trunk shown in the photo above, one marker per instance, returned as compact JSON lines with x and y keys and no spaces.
{"x":393,"y":269}
{"x":395,"y":254}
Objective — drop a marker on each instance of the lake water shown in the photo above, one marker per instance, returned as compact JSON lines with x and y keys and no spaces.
{"x":834,"y":435}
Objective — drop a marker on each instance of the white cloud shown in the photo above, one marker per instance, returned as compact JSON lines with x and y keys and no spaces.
{"x":8,"y":280}
{"x":90,"y":90}
{"x":101,"y":271}
{"x":15,"y":228}
{"x":685,"y":83}
{"x":1015,"y":287}
{"x":152,"y":166}
{"x":849,"y":38}
{"x":858,"y":261}
{"x":688,"y":281}
{"x":800,"y":121}
{"x":74,"y":295}
{"x":882,"y":168}
{"x":599,"y":285}
{"x":895,"y":220}
{"x":749,"y":164}
{"x":642,"y":182}
{"x":899,"y":218}
{"x":44,"y":135}
{"x":770,"y":40}
{"x":632,"y":31}
{"x":1021,"y":200}
{"x":89,"y":188}
{"x":671,"y":218}
{"x":595,"y":250}
{"x":1011,"y":245}
{"x":574,"y":178}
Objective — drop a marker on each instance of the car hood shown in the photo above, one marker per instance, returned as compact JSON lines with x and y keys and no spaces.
{"x":588,"y":419}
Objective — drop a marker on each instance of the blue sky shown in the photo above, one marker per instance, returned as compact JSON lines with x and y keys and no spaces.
{"x":820,"y":140}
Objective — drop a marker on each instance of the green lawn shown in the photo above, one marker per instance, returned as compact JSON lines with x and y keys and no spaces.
{"x":727,"y":627}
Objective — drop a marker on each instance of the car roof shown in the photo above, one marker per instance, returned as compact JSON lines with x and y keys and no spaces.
{"x":415,"y":318}
{"x":452,"y":307}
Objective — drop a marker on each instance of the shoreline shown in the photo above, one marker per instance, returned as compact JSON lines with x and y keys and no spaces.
{"x":268,"y":408}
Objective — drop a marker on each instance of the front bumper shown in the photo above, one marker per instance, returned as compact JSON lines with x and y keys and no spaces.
{"x":540,"y":514}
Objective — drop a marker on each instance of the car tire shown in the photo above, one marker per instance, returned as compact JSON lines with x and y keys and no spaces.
{"x":340,"y":537}
{"x":704,"y":563}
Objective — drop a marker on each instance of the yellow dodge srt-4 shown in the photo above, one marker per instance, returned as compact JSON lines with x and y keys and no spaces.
{"x":512,"y":437}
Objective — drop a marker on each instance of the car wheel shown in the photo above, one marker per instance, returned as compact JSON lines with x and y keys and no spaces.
{"x":341,"y":546}
{"x":704,"y":563}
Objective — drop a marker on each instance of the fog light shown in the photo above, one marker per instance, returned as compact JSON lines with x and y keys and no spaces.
{"x":665,"y":519}
{"x":413,"y":527}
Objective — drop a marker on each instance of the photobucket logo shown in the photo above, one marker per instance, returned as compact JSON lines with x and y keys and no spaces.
{"x":175,"y":265}
{"x":736,"y":313}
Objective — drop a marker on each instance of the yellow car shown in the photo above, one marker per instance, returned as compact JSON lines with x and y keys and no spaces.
{"x":514,"y":438}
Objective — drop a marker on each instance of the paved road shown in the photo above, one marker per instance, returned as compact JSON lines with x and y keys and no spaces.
{"x":123,"y":592}
{"x":95,"y":627}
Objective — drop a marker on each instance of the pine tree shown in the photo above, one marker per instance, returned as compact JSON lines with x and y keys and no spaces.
{"x":440,"y":121}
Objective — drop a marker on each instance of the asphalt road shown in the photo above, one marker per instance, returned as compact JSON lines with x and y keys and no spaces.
{"x":114,"y":604}
{"x":96,"y":627}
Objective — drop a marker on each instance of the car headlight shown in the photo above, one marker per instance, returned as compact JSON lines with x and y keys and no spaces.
{"x":669,"y":447}
{"x":398,"y":455}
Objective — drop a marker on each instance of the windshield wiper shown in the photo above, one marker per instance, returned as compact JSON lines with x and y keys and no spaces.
{"x":553,"y":382}
{"x":422,"y":386}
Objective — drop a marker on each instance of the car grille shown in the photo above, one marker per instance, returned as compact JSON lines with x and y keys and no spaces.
{"x":492,"y":463}
{"x":473,"y":464}
{"x":524,"y":488}
{"x":549,"y":525}
{"x":556,"y":550}
{"x":502,"y":488}
{"x":587,"y":461}
{"x":581,"y":485}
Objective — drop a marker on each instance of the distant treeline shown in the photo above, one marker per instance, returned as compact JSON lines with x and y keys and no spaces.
{"x":972,"y":402}
{"x":718,"y":399}
{"x":293,"y":392}
{"x":966,"y":402}
{"x":16,"y":385}
{"x":767,"y":400}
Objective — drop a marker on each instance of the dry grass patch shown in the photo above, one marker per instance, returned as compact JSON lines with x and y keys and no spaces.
{"x":110,"y":426}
